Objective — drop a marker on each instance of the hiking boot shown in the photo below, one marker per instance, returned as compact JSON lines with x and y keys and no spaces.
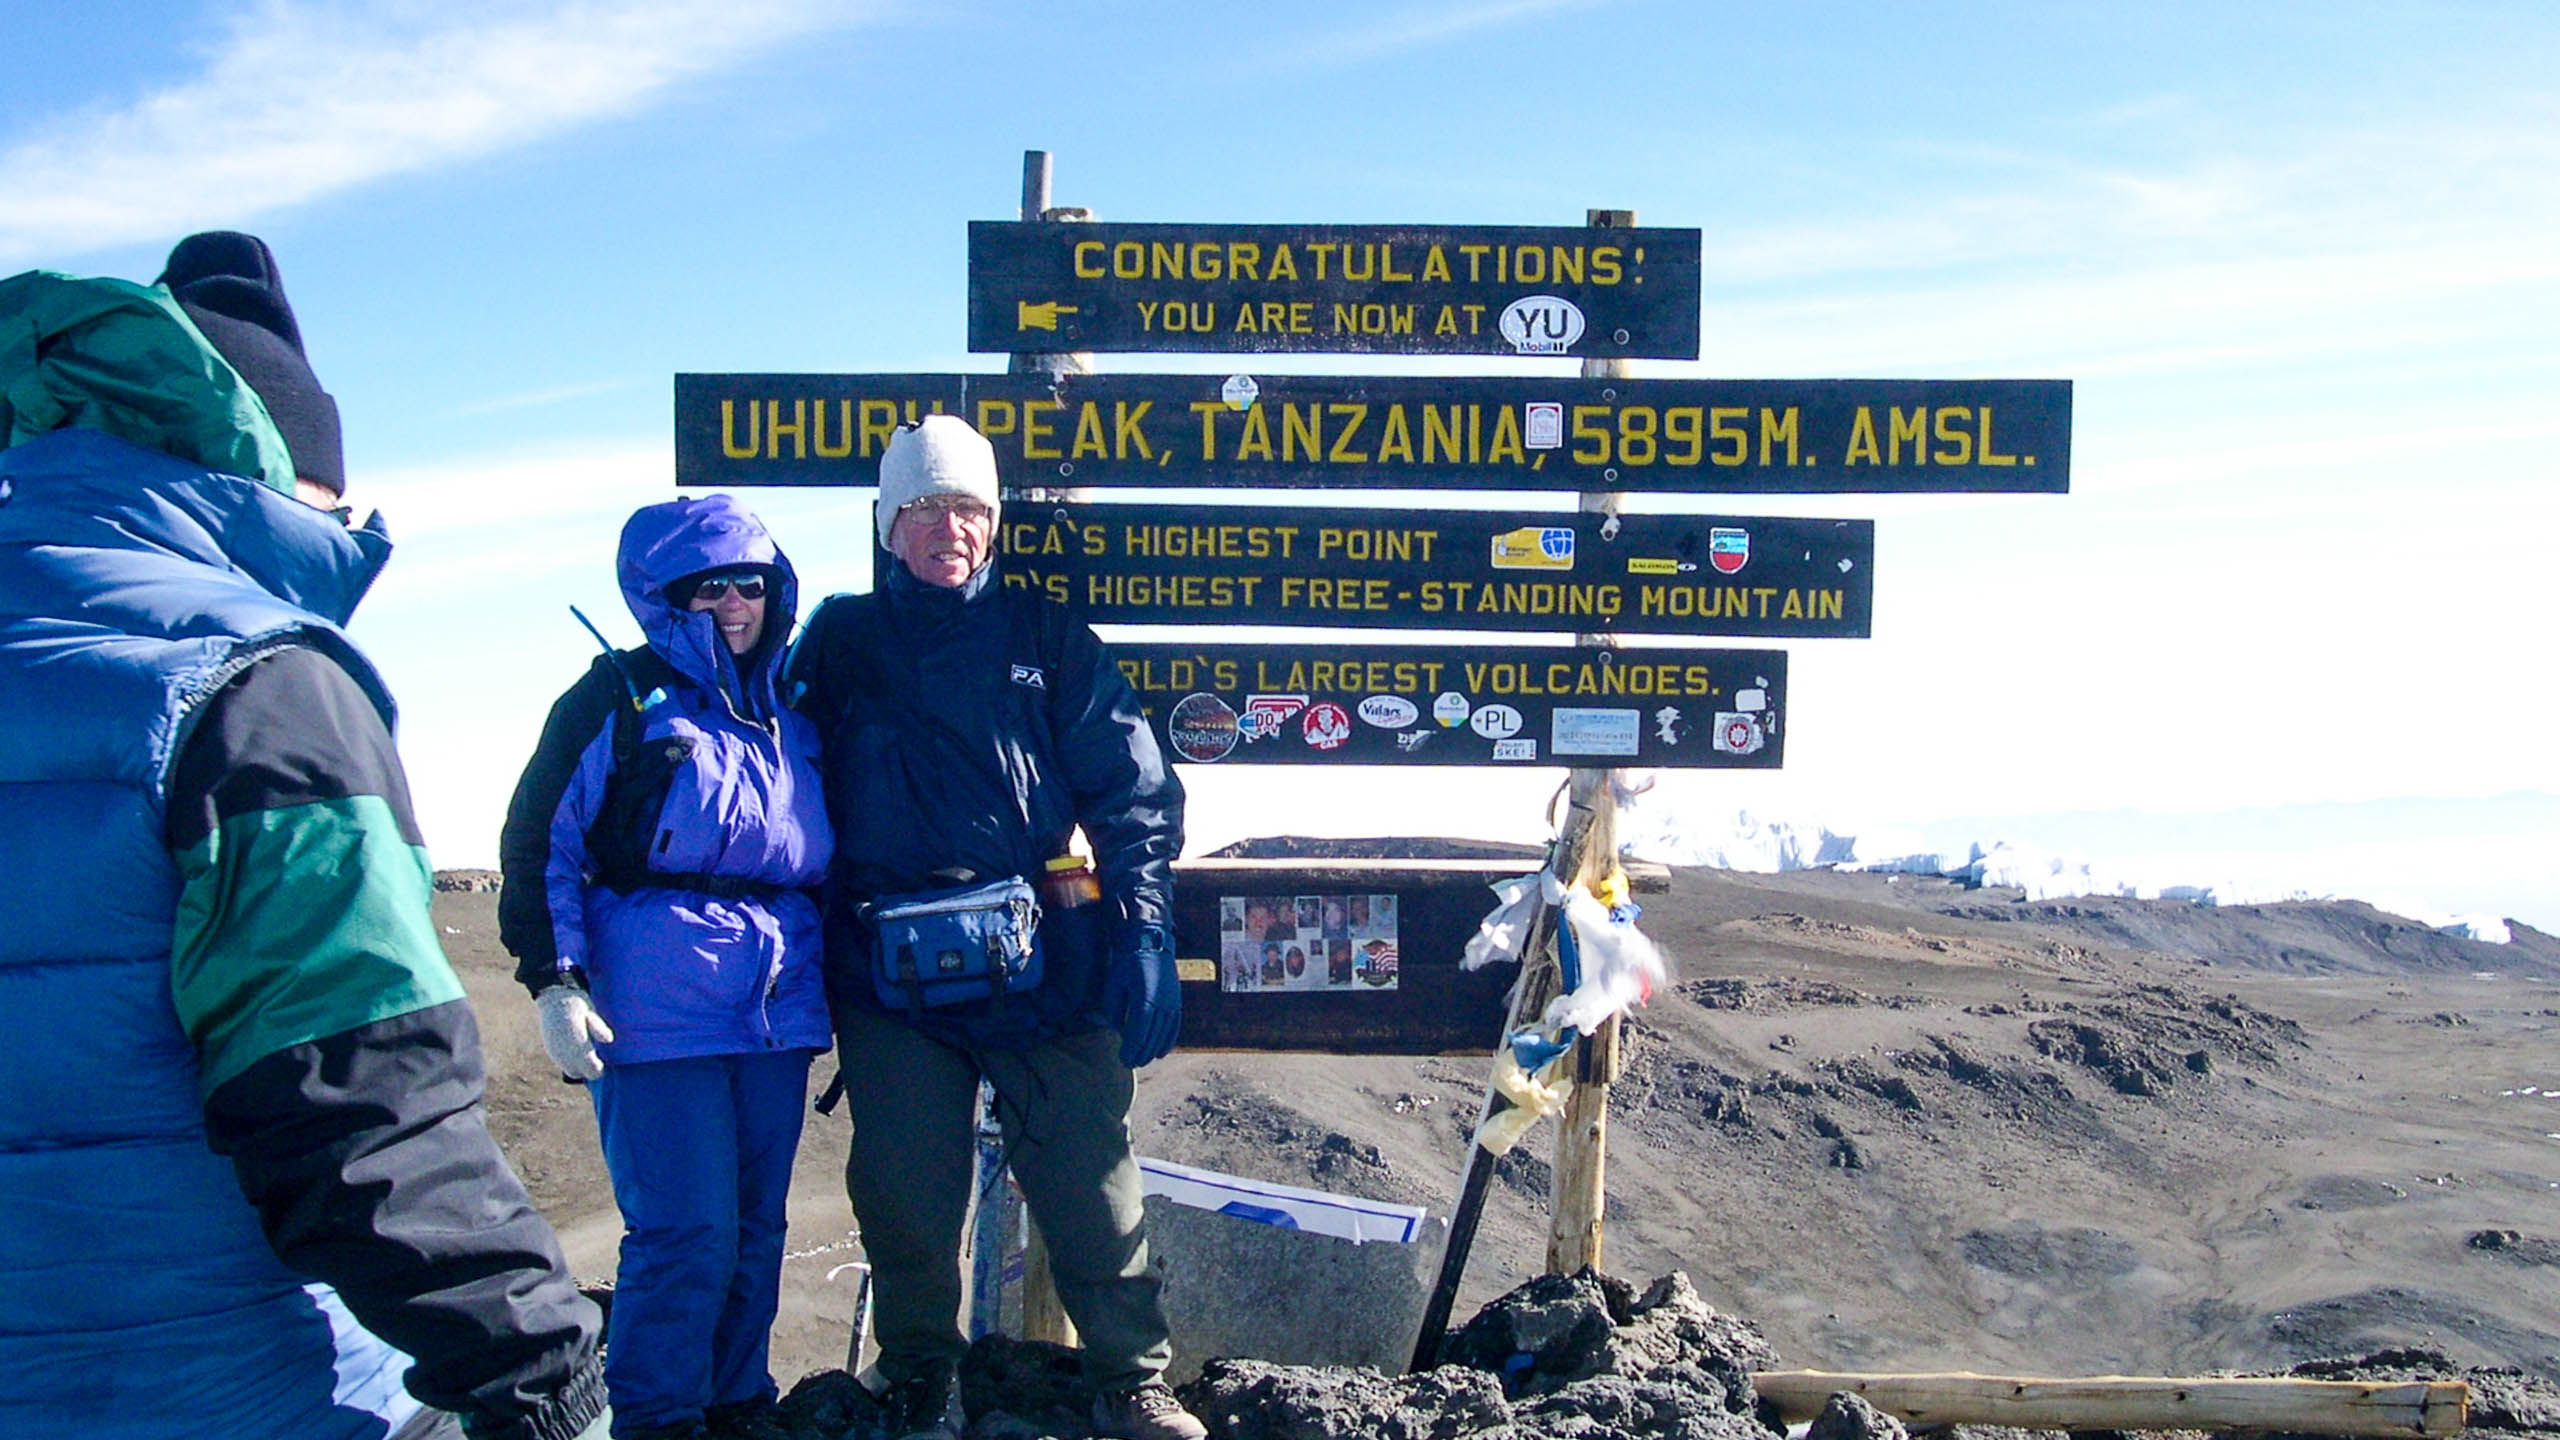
{"x":1145,"y":1411}
{"x":925,"y":1406}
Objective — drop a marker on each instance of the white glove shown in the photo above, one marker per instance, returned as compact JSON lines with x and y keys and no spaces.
{"x":570,"y":1029}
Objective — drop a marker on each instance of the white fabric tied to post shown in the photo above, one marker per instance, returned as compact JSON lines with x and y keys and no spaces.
{"x":1620,"y":967}
{"x":1506,"y":929}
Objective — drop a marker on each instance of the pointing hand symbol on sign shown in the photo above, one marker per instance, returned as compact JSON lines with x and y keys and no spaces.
{"x":1043,"y":316}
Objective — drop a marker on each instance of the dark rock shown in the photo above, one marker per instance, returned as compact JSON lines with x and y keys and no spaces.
{"x":1558,"y":1330}
{"x":1849,"y":1417}
{"x":1255,"y":1400}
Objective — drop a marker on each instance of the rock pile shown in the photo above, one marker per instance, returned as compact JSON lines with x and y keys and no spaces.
{"x":1564,"y":1357}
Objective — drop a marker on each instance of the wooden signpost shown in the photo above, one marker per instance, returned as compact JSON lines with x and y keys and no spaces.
{"x":1596,"y":432}
{"x":1508,"y":570}
{"x":1302,"y":961}
{"x":1336,"y":289}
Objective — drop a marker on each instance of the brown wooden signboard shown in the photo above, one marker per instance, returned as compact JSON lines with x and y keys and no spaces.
{"x":1445,"y":569}
{"x":1459,"y":432}
{"x":1343,"y":289}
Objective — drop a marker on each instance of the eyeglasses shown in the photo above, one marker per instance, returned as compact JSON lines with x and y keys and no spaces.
{"x":712,"y":587}
{"x":959,"y":507}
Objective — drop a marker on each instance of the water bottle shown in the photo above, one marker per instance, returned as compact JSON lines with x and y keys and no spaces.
{"x":1069,"y":882}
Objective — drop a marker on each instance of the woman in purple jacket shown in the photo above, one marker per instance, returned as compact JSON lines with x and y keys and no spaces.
{"x":660,"y":859}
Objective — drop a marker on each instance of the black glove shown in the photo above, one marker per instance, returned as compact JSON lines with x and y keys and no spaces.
{"x":1142,"y":996}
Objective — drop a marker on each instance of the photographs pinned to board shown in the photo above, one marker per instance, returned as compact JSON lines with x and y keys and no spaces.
{"x":1307,"y":943}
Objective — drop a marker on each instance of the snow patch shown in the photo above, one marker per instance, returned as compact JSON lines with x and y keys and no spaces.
{"x":1740,"y":840}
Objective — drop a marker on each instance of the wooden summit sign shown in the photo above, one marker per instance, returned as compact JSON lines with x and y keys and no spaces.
{"x":1316,"y":704}
{"x":1344,"y":289}
{"x":1445,"y":569}
{"x":1398,"y":432}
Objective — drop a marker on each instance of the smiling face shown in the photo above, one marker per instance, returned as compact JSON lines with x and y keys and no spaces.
{"x":741,"y":620}
{"x":942,"y":539}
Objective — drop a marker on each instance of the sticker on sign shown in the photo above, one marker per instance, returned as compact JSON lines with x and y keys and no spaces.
{"x":1541,"y":324}
{"x":1389,"y":712}
{"x":1594,"y":732}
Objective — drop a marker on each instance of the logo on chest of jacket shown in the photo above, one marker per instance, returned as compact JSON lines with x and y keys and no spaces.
{"x":1030,"y":675}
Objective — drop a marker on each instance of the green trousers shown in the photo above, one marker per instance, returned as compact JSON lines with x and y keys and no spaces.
{"x":1064,"y":1110}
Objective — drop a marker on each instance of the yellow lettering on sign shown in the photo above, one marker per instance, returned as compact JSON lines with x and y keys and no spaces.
{"x":1774,"y":427}
{"x":1342,"y":453}
{"x":1036,"y":429}
{"x":1293,"y":429}
{"x":1987,"y":457}
{"x":1127,"y":431}
{"x":1282,"y":266}
{"x":1906,"y":427}
{"x":844,"y":431}
{"x":1089,"y":439}
{"x":995,"y":417}
{"x":1435,"y":266}
{"x":774,"y":429}
{"x":1862,"y":439}
{"x":1506,"y":437}
{"x":1088,"y":255}
{"x":1256,"y":443}
{"x":1395,"y":439}
{"x":729,"y":445}
{"x":1954,"y":437}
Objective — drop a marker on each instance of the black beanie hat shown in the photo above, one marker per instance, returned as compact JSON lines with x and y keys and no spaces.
{"x":231,"y":288}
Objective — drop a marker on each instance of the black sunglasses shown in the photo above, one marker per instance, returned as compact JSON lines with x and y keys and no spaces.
{"x":712,"y":587}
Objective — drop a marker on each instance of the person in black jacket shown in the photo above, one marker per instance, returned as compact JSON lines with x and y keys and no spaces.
{"x":968,"y":729}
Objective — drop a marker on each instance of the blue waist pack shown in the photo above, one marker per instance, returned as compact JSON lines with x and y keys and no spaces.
{"x":949,"y":947}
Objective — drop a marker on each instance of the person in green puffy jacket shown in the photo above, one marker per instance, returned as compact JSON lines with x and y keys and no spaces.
{"x":250,"y":1185}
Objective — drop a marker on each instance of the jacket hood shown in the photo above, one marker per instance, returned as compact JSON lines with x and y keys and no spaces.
{"x":664,"y":543}
{"x":84,"y":489}
{"x":113,"y":356}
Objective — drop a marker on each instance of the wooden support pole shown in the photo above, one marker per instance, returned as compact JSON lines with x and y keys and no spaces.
{"x":1043,"y":1316}
{"x":2126,"y":1402}
{"x":1587,"y":848}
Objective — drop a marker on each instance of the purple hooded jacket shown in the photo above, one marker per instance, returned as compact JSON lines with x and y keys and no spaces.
{"x":728,"y":959}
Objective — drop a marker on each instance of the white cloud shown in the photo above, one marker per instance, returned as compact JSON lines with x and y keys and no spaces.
{"x":1415,"y":26}
{"x":300,"y":98}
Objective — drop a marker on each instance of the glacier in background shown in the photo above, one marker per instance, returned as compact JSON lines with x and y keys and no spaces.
{"x":2383,"y":853}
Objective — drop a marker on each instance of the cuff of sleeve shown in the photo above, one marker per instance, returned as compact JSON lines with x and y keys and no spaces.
{"x":562,"y":1415}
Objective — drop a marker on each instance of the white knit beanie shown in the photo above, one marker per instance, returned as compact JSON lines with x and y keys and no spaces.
{"x":939,"y":455}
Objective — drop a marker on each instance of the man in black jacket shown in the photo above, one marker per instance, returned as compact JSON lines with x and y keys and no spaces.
{"x":969,"y":729}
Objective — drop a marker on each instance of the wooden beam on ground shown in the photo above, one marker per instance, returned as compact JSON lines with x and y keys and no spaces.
{"x":2128,"y":1402}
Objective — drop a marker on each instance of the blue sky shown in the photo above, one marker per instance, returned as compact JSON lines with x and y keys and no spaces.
{"x":2302,"y":261}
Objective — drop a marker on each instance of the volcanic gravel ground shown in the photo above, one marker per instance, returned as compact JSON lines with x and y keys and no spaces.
{"x":1896,"y":1124}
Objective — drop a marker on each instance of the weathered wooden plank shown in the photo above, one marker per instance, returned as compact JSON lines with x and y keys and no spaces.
{"x":2128,"y":1402}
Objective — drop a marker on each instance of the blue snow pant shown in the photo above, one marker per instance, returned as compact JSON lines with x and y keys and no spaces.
{"x":700,"y":1152}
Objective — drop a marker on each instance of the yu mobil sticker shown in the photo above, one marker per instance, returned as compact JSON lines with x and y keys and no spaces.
{"x":1534,"y":547}
{"x":1542,"y":324}
{"x":1202,"y":728}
